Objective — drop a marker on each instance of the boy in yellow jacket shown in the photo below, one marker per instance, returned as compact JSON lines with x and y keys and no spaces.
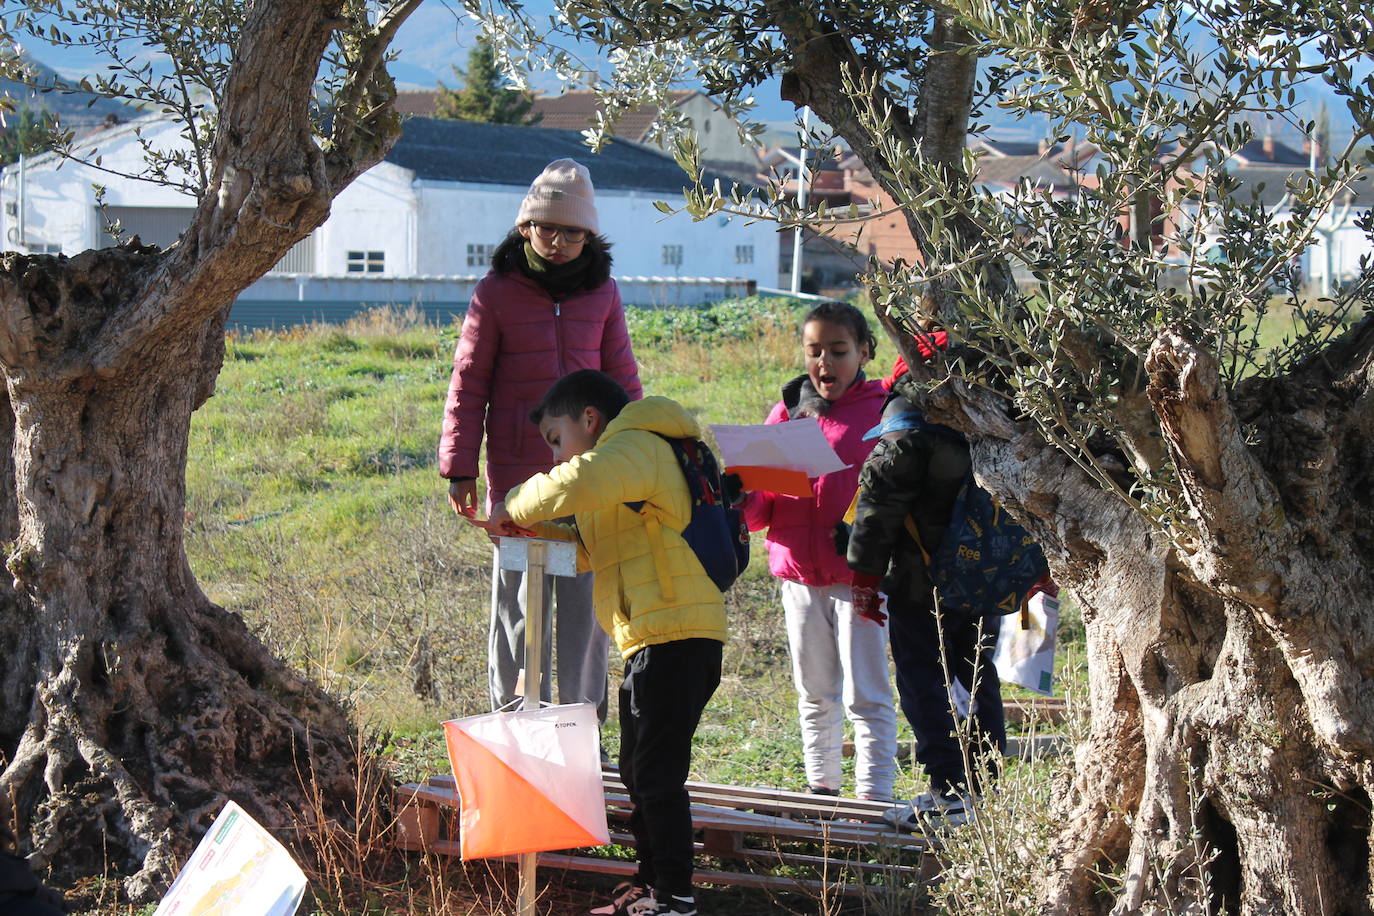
{"x":651,"y":595}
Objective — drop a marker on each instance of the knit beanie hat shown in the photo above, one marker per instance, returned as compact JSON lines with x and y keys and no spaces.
{"x":563,"y":195}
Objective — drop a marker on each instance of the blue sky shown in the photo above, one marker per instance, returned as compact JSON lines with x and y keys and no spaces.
{"x":436,"y":37}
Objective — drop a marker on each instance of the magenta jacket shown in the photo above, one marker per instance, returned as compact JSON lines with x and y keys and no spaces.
{"x":516,"y":342}
{"x":801,"y":542}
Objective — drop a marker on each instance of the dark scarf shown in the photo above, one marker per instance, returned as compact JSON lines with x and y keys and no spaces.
{"x":801,"y":399}
{"x":592,"y":267}
{"x":558,"y":280}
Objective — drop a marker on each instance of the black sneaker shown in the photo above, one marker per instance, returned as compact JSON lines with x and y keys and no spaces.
{"x":623,"y":896}
{"x":932,"y":811}
{"x":669,"y":905}
{"x":945,"y":810}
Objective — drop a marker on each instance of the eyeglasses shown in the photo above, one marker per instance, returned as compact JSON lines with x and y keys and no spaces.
{"x":549,"y":232}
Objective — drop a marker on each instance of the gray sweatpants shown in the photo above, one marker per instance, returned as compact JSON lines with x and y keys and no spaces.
{"x":578,"y":642}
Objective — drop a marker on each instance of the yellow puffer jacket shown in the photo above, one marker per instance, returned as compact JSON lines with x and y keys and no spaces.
{"x":649,"y":586}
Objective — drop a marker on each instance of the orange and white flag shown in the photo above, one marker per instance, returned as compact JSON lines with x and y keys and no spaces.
{"x":529,"y":781}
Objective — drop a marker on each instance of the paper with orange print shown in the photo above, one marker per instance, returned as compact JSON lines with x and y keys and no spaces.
{"x":773,"y":480}
{"x":239,"y":869}
{"x":777,"y":457}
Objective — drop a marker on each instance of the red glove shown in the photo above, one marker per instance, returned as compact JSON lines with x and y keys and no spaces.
{"x":863,"y":594}
{"x":1043,"y":584}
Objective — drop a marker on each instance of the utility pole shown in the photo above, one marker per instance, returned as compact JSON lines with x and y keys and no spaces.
{"x":803,"y":180}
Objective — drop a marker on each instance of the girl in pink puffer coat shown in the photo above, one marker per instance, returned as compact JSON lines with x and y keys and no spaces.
{"x":547,"y":308}
{"x":839,"y":659}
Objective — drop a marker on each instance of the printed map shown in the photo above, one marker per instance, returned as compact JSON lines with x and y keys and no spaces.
{"x":237,"y":869}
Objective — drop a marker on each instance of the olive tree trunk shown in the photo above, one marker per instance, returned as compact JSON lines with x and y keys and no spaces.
{"x":1231,"y":756}
{"x":131,"y":707}
{"x":1229,"y":763}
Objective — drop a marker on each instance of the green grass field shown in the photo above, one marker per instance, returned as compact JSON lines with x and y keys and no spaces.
{"x":315,"y":511}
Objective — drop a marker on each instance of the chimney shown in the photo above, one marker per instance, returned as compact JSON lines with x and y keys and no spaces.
{"x":1313,"y":149}
{"x":1044,"y":146}
{"x":1269,"y":147}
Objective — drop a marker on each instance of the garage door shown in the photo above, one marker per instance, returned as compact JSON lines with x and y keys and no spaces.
{"x":162,"y":226}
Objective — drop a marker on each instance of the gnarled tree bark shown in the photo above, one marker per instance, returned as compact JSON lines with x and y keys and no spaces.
{"x":1244,"y":663}
{"x":131,"y":707}
{"x":1231,"y":752}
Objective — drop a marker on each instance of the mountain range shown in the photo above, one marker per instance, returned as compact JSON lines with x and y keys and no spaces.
{"x":79,"y":111}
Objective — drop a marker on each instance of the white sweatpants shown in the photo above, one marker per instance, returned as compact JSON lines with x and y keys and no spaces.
{"x":839,"y":666}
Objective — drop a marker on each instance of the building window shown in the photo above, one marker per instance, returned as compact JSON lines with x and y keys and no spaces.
{"x":744,"y":254}
{"x":480,"y":255}
{"x":372,"y":262}
{"x":672,"y":255}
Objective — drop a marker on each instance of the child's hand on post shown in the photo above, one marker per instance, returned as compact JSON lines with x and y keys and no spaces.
{"x":501,"y":523}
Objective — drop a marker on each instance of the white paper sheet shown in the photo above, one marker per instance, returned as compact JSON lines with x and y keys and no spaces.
{"x":238,"y":869}
{"x":1026,"y":657}
{"x":797,"y":445}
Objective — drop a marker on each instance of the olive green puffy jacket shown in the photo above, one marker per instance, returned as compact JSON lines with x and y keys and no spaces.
{"x":916,"y":474}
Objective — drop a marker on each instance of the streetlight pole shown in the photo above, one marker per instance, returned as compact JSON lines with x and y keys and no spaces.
{"x":802,"y":183}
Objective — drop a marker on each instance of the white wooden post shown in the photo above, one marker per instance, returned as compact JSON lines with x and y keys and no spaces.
{"x":536,"y":557}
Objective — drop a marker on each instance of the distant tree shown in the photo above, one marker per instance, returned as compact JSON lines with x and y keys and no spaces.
{"x":487,"y":94}
{"x":26,"y":132}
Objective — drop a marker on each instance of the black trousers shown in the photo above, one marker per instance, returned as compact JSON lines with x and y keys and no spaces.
{"x":665,"y":689}
{"x":924,"y":696}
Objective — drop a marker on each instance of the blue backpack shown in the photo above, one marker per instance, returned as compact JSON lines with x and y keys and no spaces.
{"x":986,"y":562}
{"x":716,"y":533}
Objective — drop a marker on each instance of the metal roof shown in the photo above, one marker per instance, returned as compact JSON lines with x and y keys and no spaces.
{"x":1269,"y":184}
{"x":450,"y":150}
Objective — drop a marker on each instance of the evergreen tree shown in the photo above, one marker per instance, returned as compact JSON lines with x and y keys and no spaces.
{"x":486,"y":94}
{"x":26,"y":133}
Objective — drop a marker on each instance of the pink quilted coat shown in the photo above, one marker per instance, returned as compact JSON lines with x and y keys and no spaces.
{"x":801,"y":542}
{"x":516,"y":342}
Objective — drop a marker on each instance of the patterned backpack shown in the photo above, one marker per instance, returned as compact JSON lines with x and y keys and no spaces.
{"x":716,"y":532}
{"x":986,"y":562}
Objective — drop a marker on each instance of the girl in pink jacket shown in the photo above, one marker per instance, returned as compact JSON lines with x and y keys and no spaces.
{"x":839,"y":659}
{"x":547,"y":308}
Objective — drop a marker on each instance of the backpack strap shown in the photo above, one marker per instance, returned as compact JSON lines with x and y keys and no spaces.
{"x":654,"y":528}
{"x":910,"y":524}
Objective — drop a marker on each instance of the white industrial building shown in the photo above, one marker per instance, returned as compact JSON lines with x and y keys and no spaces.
{"x":418,"y":227}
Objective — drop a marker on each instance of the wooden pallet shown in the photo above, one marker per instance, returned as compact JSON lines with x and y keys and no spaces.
{"x":1046,"y":710}
{"x":840,"y":840}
